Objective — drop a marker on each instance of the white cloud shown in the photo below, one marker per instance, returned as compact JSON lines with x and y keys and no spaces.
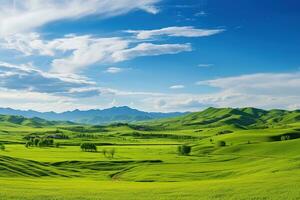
{"x":114,"y":70}
{"x":19,"y":16}
{"x":205,"y":65}
{"x":74,"y":53}
{"x":88,"y":51}
{"x":256,"y":90}
{"x":149,"y":49}
{"x":28,"y":78}
{"x":265,"y":90}
{"x":201,"y":13}
{"x":175,"y":31}
{"x":177,"y":87}
{"x":281,"y":84}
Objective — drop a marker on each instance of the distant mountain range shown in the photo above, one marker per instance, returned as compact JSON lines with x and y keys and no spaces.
{"x":122,"y":114}
{"x":222,"y":118}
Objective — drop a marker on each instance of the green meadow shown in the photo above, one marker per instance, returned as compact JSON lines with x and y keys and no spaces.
{"x":235,"y":154}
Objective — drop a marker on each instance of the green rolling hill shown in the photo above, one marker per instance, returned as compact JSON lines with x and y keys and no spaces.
{"x":13,"y":120}
{"x":239,"y":118}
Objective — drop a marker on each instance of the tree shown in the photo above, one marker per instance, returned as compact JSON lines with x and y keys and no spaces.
{"x":112,"y":153}
{"x":57,"y":145}
{"x":184,"y":150}
{"x":28,"y":144}
{"x":36,"y":141}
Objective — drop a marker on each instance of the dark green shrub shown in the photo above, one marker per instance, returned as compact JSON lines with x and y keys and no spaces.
{"x":221,"y":143}
{"x":224,"y":132}
{"x":2,"y":147}
{"x":28,"y":144}
{"x":285,"y":137}
{"x":184,"y":150}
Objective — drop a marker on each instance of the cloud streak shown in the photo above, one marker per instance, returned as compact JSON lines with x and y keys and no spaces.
{"x":175,"y":31}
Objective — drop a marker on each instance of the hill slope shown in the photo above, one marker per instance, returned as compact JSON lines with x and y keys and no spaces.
{"x":12,"y":120}
{"x":241,"y":118}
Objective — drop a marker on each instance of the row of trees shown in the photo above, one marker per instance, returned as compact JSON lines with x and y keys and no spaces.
{"x":39,"y":142}
{"x":90,"y":147}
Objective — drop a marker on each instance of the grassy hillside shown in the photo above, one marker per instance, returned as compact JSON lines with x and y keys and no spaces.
{"x":259,"y":158}
{"x":11,"y":120}
{"x":243,"y":118}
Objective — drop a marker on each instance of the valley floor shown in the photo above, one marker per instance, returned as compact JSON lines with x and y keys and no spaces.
{"x":226,"y":162}
{"x":149,"y":172}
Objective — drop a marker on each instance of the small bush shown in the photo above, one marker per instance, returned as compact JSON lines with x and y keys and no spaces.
{"x":2,"y":147}
{"x":285,"y":137}
{"x":184,"y":150}
{"x":224,"y":132}
{"x":28,"y":144}
{"x":221,"y":143}
{"x":112,"y":153}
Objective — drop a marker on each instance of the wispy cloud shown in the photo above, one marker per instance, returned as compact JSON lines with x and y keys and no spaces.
{"x":205,"y":65}
{"x":114,"y":70}
{"x":149,"y":49}
{"x":177,"y":87}
{"x":175,"y":31}
{"x":20,"y":16}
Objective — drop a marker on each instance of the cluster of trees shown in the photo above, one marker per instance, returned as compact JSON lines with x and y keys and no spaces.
{"x":39,"y":142}
{"x":2,"y":147}
{"x":184,"y":150}
{"x":90,"y":147}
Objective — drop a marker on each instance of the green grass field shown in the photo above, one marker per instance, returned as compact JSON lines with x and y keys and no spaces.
{"x":255,"y":163}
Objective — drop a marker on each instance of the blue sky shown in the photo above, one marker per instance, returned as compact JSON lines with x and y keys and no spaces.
{"x":154,"y":55}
